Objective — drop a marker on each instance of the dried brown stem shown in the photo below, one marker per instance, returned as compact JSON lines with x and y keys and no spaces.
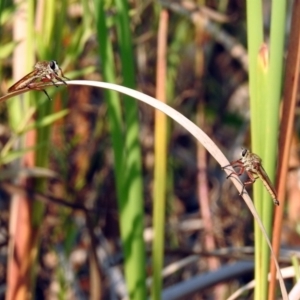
{"x":285,"y":135}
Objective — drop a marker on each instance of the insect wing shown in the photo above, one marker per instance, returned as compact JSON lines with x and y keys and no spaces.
{"x":23,"y":82}
{"x":264,"y":177}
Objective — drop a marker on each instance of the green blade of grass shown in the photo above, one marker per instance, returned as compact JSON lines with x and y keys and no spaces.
{"x":277,"y":35}
{"x":265,"y":88}
{"x":131,"y":219}
{"x":261,"y":198}
{"x":132,"y":208}
{"x":255,"y":40}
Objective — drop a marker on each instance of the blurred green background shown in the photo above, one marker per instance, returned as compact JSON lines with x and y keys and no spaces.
{"x":103,"y":198}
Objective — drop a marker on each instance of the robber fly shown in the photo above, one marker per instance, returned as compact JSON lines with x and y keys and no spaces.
{"x":44,"y":71}
{"x":252,"y":165}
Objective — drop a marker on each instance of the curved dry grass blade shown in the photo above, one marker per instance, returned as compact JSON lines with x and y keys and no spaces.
{"x":200,"y":135}
{"x":288,"y":272}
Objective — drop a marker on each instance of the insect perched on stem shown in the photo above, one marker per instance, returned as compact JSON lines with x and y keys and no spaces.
{"x":44,"y":71}
{"x":252,"y":165}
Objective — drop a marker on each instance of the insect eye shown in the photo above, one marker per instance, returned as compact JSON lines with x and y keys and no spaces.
{"x":244,"y":152}
{"x":53,"y":65}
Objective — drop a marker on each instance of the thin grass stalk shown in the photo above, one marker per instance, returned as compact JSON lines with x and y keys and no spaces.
{"x":45,"y":29}
{"x":2,"y":5}
{"x":160,"y":161}
{"x":113,"y":103}
{"x":114,"y":108}
{"x":51,"y":34}
{"x":271,"y":103}
{"x":49,"y":22}
{"x":174,"y":46}
{"x":271,"y":113}
{"x":57,"y":35}
{"x":131,"y":218}
{"x":285,"y":136}
{"x":263,"y":200}
{"x":296,"y":265}
{"x":202,"y":185}
{"x":255,"y":40}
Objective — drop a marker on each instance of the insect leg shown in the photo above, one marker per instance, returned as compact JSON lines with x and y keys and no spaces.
{"x":234,"y":164}
{"x":223,"y":168}
{"x":248,"y":182}
{"x":240,"y":171}
{"x":62,"y":75}
{"x":54,"y":83}
{"x":47,"y":94}
{"x":251,"y":178}
{"x":60,"y":79}
{"x":242,"y":191}
{"x":40,"y":89}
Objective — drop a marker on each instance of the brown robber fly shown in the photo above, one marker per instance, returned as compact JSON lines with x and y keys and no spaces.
{"x":252,"y":165}
{"x":44,"y":71}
